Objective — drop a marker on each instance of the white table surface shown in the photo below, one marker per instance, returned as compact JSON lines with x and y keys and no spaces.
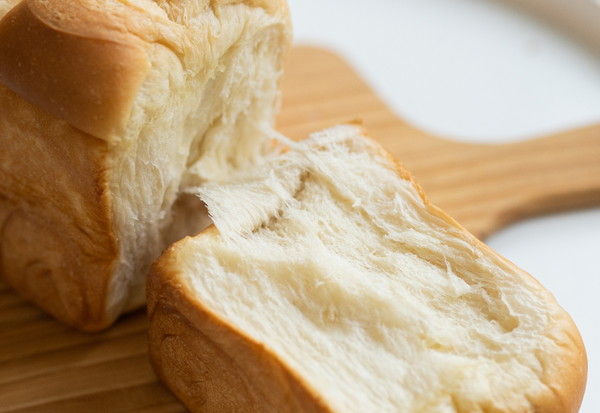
{"x":480,"y":71}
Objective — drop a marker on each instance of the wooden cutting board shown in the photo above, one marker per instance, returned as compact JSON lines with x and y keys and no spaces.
{"x":47,"y":367}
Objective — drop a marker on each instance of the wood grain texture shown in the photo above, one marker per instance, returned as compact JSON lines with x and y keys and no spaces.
{"x":48,"y":367}
{"x":484,"y":187}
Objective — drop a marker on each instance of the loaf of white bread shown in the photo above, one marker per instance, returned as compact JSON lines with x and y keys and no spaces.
{"x":329,"y":283}
{"x":110,"y":111}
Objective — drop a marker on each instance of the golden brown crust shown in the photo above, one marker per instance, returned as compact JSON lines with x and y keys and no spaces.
{"x":57,"y":246}
{"x":206,"y":362}
{"x":69,"y":73}
{"x":177,"y":315}
{"x":564,"y":372}
{"x":79,"y":71}
{"x":85,"y":61}
{"x":566,"y":377}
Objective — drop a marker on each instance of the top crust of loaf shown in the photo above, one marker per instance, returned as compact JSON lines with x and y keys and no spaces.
{"x":155,"y":95}
{"x":68,"y":62}
{"x":85,"y":61}
{"x":180,"y":317}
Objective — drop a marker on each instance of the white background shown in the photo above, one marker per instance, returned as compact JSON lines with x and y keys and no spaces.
{"x":478,"y":71}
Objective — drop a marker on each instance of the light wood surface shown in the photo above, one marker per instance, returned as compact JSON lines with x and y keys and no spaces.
{"x":484,"y":187}
{"x":47,"y":367}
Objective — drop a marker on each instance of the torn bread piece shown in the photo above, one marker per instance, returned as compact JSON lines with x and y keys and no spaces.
{"x":329,"y":283}
{"x":109,"y":112}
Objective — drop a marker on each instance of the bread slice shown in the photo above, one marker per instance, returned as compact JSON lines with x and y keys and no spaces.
{"x":109,"y":111}
{"x":329,"y":283}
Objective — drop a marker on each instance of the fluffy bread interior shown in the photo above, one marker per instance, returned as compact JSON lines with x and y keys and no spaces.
{"x":331,"y":258}
{"x":197,"y":117}
{"x":162,"y":96}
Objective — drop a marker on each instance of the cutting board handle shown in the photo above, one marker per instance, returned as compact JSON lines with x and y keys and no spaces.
{"x":500,"y":184}
{"x":484,"y":187}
